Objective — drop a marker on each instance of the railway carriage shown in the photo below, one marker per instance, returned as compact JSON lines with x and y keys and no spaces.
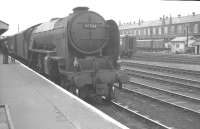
{"x":128,"y":46}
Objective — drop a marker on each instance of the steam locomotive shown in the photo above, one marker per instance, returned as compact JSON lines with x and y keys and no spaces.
{"x":79,"y":52}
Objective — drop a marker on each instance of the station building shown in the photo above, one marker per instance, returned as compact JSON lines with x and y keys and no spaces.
{"x":179,"y":33}
{"x":3,"y":27}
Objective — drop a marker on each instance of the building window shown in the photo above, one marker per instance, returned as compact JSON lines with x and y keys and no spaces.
{"x":165,"y":30}
{"x":159,"y":30}
{"x":141,"y":32}
{"x":126,"y":31}
{"x":149,"y":31}
{"x":172,"y":29}
{"x":195,"y":28}
{"x":179,"y":29}
{"x":122,"y":32}
{"x":134,"y":32}
{"x":154,"y":31}
{"x":177,"y":45}
{"x":145,"y":32}
{"x":130,"y":32}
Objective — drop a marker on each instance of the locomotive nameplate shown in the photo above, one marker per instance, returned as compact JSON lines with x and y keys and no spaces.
{"x":90,"y":26}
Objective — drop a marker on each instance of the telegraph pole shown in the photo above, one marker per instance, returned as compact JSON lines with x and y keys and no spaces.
{"x":187,"y":34}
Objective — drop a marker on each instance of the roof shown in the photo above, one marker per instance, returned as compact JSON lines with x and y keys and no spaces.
{"x":143,"y":24}
{"x":196,"y":43}
{"x":191,"y":41}
{"x":174,"y":20}
{"x":186,"y":19}
{"x":149,"y":40}
{"x":177,"y":39}
{"x":3,"y":27}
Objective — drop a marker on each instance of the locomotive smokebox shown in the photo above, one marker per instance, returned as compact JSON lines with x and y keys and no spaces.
{"x":87,"y":31}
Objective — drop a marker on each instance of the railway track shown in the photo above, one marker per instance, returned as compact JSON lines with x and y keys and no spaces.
{"x":185,"y":93}
{"x":193,"y":81}
{"x":173,"y":88}
{"x":165,"y":69}
{"x":166,"y":113}
{"x":159,"y":57}
{"x":130,"y":118}
{"x":190,"y":89}
{"x":178,"y":100}
{"x":168,"y":60}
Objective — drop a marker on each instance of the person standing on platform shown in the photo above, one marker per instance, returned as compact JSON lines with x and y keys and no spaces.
{"x":5,"y":52}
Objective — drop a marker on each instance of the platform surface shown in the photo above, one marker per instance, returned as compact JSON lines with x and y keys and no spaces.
{"x":35,"y":103}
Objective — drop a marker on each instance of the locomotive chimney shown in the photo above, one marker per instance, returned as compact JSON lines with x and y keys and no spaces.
{"x":80,"y":9}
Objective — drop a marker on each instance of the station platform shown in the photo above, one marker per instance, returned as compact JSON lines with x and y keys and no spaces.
{"x":37,"y":103}
{"x":165,"y":64}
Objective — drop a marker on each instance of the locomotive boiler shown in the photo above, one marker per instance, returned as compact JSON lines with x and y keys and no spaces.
{"x":79,"y":51}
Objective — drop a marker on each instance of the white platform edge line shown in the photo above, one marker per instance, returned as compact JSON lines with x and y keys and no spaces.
{"x":105,"y":116}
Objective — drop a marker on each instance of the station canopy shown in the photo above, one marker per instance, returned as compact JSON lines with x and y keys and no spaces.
{"x":3,"y":27}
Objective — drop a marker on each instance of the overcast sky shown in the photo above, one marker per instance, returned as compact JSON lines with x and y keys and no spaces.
{"x":30,"y":12}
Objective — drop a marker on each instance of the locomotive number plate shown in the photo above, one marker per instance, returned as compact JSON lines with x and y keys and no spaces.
{"x":89,"y":26}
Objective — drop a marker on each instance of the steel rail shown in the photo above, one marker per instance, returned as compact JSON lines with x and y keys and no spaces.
{"x":163,"y":101}
{"x":143,"y":117}
{"x":176,"y":84}
{"x":156,"y":73}
{"x":156,"y":58}
{"x":165,"y":68}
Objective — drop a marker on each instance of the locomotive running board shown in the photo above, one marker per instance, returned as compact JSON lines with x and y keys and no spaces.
{"x":5,"y":121}
{"x":42,"y":51}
